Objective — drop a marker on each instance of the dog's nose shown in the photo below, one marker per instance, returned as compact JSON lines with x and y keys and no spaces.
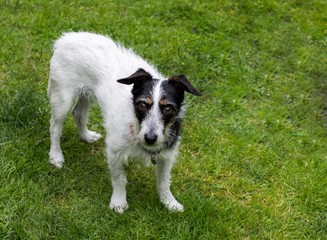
{"x":150,"y":138}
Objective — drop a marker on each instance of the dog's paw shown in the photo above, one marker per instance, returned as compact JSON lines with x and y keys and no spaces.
{"x":57,"y":159}
{"x":90,"y":136}
{"x":118,"y":206}
{"x":173,"y":205}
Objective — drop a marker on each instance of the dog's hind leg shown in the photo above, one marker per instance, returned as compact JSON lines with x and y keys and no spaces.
{"x":80,"y":116}
{"x":60,"y":105}
{"x":163,"y":185}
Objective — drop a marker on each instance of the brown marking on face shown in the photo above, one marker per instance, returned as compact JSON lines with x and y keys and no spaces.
{"x":149,"y":100}
{"x":163,"y":101}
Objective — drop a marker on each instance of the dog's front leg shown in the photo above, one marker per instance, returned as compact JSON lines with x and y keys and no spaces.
{"x":118,"y":202}
{"x":163,"y":185}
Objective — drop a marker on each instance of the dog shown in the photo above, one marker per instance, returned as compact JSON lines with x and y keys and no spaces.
{"x":142,"y":109}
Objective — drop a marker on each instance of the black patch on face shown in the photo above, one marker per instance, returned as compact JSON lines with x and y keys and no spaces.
{"x":171,"y":102}
{"x":142,"y":97}
{"x":174,"y":133}
{"x":172,"y":94}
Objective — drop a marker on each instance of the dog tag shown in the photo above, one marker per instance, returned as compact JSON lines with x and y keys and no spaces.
{"x":153,"y":159}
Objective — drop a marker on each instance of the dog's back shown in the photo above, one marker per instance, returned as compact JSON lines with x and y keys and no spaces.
{"x":85,"y":59}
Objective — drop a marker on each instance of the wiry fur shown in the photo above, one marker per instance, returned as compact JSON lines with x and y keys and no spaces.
{"x":87,"y":66}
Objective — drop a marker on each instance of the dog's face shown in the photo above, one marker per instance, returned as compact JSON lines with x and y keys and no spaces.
{"x":158,"y":106}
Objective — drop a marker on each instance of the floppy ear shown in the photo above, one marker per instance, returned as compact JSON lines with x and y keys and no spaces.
{"x":139,"y":75}
{"x":180,"y":81}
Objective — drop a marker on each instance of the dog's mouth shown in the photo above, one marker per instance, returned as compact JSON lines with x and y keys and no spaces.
{"x":151,"y":148}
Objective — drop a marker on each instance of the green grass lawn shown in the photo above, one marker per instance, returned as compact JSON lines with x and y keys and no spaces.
{"x":253,"y":159}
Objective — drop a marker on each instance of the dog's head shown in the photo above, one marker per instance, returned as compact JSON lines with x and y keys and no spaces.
{"x":158,"y":107}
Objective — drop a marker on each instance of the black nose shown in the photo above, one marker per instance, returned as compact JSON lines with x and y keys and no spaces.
{"x":150,"y":138}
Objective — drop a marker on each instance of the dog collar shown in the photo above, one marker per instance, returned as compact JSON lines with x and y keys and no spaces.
{"x":153,"y":159}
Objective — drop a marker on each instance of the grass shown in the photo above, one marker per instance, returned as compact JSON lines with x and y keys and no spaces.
{"x":253,"y":160}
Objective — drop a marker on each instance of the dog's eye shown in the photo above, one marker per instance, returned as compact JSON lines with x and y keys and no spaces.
{"x":141,"y":106}
{"x":167,"y":110}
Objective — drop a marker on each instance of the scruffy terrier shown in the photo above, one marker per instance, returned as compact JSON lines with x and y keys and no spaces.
{"x":142,"y":110}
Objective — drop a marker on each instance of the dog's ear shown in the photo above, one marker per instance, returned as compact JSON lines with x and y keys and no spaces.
{"x":139,"y":75}
{"x":181,"y":82}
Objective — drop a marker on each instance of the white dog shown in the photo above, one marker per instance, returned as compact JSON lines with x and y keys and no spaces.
{"x":142,"y":112}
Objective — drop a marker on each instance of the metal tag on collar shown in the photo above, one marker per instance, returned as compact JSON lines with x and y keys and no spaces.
{"x":153,"y":159}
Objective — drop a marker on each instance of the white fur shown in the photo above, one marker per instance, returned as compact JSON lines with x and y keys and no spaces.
{"x":86,"y":65}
